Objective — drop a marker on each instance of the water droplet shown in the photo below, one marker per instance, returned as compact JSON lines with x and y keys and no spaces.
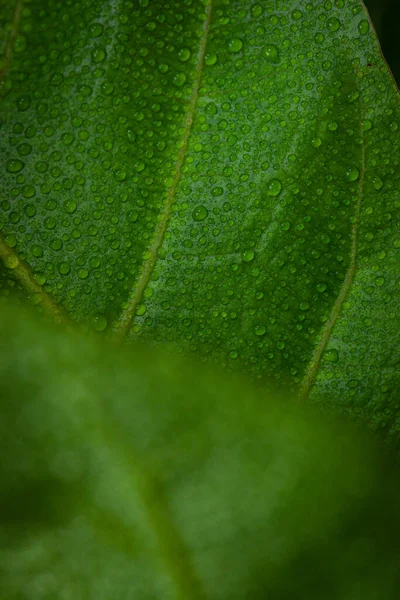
{"x":120,"y":175}
{"x":248,"y":255}
{"x":233,"y":354}
{"x":235,"y":45}
{"x":274,"y":187}
{"x":11,"y":261}
{"x":70,"y":206}
{"x":316,"y":142}
{"x":184,"y":54}
{"x":64,"y":268}
{"x":377,"y":182}
{"x":260,"y":330}
{"x":14,"y":165}
{"x":331,"y":355}
{"x":83,"y":273}
{"x":332,"y":126}
{"x":98,"y":322}
{"x":24,"y":149}
{"x":353,"y":383}
{"x":98,"y":55}
{"x":286,"y":225}
{"x":141,"y":309}
{"x":179,"y":79}
{"x":210,"y":59}
{"x":217,"y":191}
{"x":380,"y":281}
{"x":352,"y":174}
{"x":37,"y":251}
{"x":321,"y":287}
{"x":333,"y":24}
{"x":257,"y":10}
{"x":304,"y":306}
{"x":270,"y":52}
{"x":95,"y":30}
{"x":297,"y":14}
{"x":367,"y":125}
{"x":199,"y":213}
{"x":353,"y":95}
{"x":363,"y":27}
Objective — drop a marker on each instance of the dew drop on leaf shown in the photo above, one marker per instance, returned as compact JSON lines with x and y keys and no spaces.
{"x":210,"y":59}
{"x":352,"y":174}
{"x":333,"y":24}
{"x":377,"y":182}
{"x":98,"y":322}
{"x":363,"y":27}
{"x":14,"y":165}
{"x":11,"y":262}
{"x":256,"y":10}
{"x":274,"y":187}
{"x":248,"y":255}
{"x":331,"y":355}
{"x":184,"y":54}
{"x":199,"y":213}
{"x":321,"y":287}
{"x":260,"y":330}
{"x":270,"y":52}
{"x":235,"y":45}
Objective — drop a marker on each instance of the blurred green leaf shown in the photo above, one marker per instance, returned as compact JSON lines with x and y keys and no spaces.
{"x":139,"y":475}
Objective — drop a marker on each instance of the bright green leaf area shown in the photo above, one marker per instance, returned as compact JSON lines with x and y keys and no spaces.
{"x":138,"y":475}
{"x":221,"y":176}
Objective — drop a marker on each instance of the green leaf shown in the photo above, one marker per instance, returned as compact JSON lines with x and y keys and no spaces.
{"x":223,"y":176}
{"x":139,"y":475}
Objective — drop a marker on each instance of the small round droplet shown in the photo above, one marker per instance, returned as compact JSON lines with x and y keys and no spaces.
{"x":270,"y":52}
{"x":316,"y":142}
{"x":11,"y":261}
{"x":377,"y":182}
{"x":331,"y":355}
{"x":352,"y":174}
{"x":332,"y":126}
{"x":257,"y":10}
{"x":70,"y":206}
{"x":217,"y":191}
{"x":248,"y":255}
{"x":333,"y":24}
{"x":321,"y":287}
{"x":199,"y":213}
{"x":210,"y":59}
{"x":98,"y":55}
{"x":363,"y":27}
{"x":14,"y":165}
{"x":98,"y":322}
{"x":235,"y":45}
{"x":184,"y":54}
{"x":95,"y":30}
{"x":274,"y":187}
{"x":304,"y":306}
{"x":353,"y":383}
{"x":260,"y":330}
{"x":353,"y":95}
{"x":141,"y":309}
{"x":179,"y":79}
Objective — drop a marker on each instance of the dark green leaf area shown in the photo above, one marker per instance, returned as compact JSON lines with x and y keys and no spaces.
{"x":137,"y":474}
{"x":221,"y":176}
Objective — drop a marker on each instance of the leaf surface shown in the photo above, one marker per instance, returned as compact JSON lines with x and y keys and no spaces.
{"x":221,"y":176}
{"x":139,"y":475}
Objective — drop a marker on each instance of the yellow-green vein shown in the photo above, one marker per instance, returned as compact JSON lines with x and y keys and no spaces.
{"x":127,"y":316}
{"x":22,"y":273}
{"x":314,"y":364}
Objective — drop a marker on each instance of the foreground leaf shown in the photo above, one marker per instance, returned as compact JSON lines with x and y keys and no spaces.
{"x":222,"y":175}
{"x":137,"y":475}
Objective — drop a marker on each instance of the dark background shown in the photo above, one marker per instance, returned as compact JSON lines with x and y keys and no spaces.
{"x":385,"y":15}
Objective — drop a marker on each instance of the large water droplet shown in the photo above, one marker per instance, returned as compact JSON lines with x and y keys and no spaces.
{"x":270,"y":52}
{"x":199,"y":213}
{"x":235,"y":45}
{"x":98,"y":322}
{"x":248,"y":255}
{"x":14,"y":165}
{"x":352,"y":174}
{"x":333,"y":24}
{"x":331,"y":355}
{"x":274,"y":187}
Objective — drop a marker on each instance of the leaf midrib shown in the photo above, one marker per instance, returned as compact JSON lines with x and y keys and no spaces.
{"x":123,"y":325}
